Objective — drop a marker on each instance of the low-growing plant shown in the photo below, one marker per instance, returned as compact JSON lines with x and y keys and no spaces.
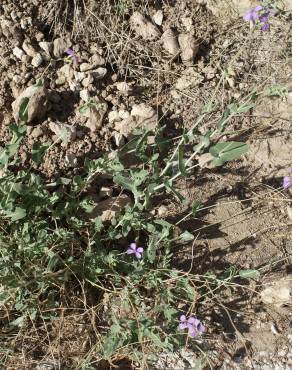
{"x":50,"y":241}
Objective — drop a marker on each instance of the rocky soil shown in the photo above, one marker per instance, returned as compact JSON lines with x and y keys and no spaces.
{"x":134,"y":66}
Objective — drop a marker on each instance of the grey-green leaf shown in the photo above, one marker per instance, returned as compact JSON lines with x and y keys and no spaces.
{"x":227,"y":151}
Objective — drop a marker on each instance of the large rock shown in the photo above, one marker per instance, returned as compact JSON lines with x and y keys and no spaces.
{"x":37,"y":103}
{"x":227,"y":8}
{"x":144,"y":27}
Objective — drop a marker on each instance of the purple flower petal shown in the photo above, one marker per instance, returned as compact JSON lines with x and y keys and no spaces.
{"x":258,"y":8}
{"x":264,"y":17}
{"x":133,"y":246}
{"x":182,"y":326}
{"x":138,"y":255}
{"x":183,"y":318}
{"x":265,"y":26}
{"x":69,"y":52}
{"x":248,"y":15}
{"x":192,"y":331}
{"x":201,"y":328}
{"x":193,"y":321}
{"x":287,"y":182}
{"x":130,"y":251}
{"x":140,"y":250}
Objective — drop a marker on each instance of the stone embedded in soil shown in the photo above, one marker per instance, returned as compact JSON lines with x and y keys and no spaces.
{"x":170,"y":42}
{"x":189,"y":79}
{"x":158,"y":17}
{"x":114,"y":116}
{"x":60,"y":45}
{"x":227,"y":9}
{"x":278,"y":293}
{"x":99,"y":73}
{"x":142,"y":116}
{"x":47,"y":47}
{"x":124,"y":87}
{"x":84,"y":95}
{"x":119,"y":139}
{"x":189,"y":48}
{"x":110,"y":208}
{"x":143,"y":110}
{"x":28,"y":48}
{"x":18,"y":53}
{"x":143,"y":27}
{"x":37,"y":104}
{"x":65,"y":74}
{"x":71,"y":160}
{"x":95,"y":116}
{"x":63,"y":131}
{"x":37,"y":60}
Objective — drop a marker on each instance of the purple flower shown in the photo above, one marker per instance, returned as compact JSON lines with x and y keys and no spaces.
{"x":133,"y":249}
{"x":193,"y":325}
{"x":251,"y":15}
{"x":287,"y":182}
{"x":264,"y":19}
{"x":73,"y":55}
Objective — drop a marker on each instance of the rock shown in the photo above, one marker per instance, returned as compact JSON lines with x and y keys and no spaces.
{"x":143,"y":27}
{"x":99,"y":73}
{"x":229,"y":9}
{"x":19,"y":53}
{"x":123,"y":114}
{"x":48,"y":366}
{"x":87,"y":80}
{"x":105,"y":191}
{"x":95,"y":116}
{"x":142,"y":110}
{"x":158,"y":17}
{"x":119,"y":139}
{"x":187,"y":23}
{"x":84,"y":95}
{"x":60,"y":45}
{"x":189,"y":79}
{"x":37,"y":104}
{"x":124,"y":87}
{"x":36,"y":132}
{"x":29,"y":49}
{"x":114,"y":116}
{"x":47,"y":47}
{"x":110,"y":208}
{"x":189,"y":48}
{"x":63,"y":131}
{"x":65,"y":73}
{"x":169,"y":42}
{"x":71,"y":160}
{"x":37,"y":60}
{"x":79,"y":76}
{"x":86,"y":67}
{"x":97,"y":60}
{"x":278,"y":293}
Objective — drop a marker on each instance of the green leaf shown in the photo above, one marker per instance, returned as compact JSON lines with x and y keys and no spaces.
{"x":174,"y":191}
{"x":17,"y":214}
{"x":186,"y":236}
{"x":249,"y":274}
{"x":18,"y":132}
{"x":181,"y":162}
{"x":196,"y":206}
{"x":227,"y":151}
{"x":23,"y":109}
{"x":38,"y":151}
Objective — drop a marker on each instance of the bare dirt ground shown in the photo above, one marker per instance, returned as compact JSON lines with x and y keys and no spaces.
{"x":244,"y":220}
